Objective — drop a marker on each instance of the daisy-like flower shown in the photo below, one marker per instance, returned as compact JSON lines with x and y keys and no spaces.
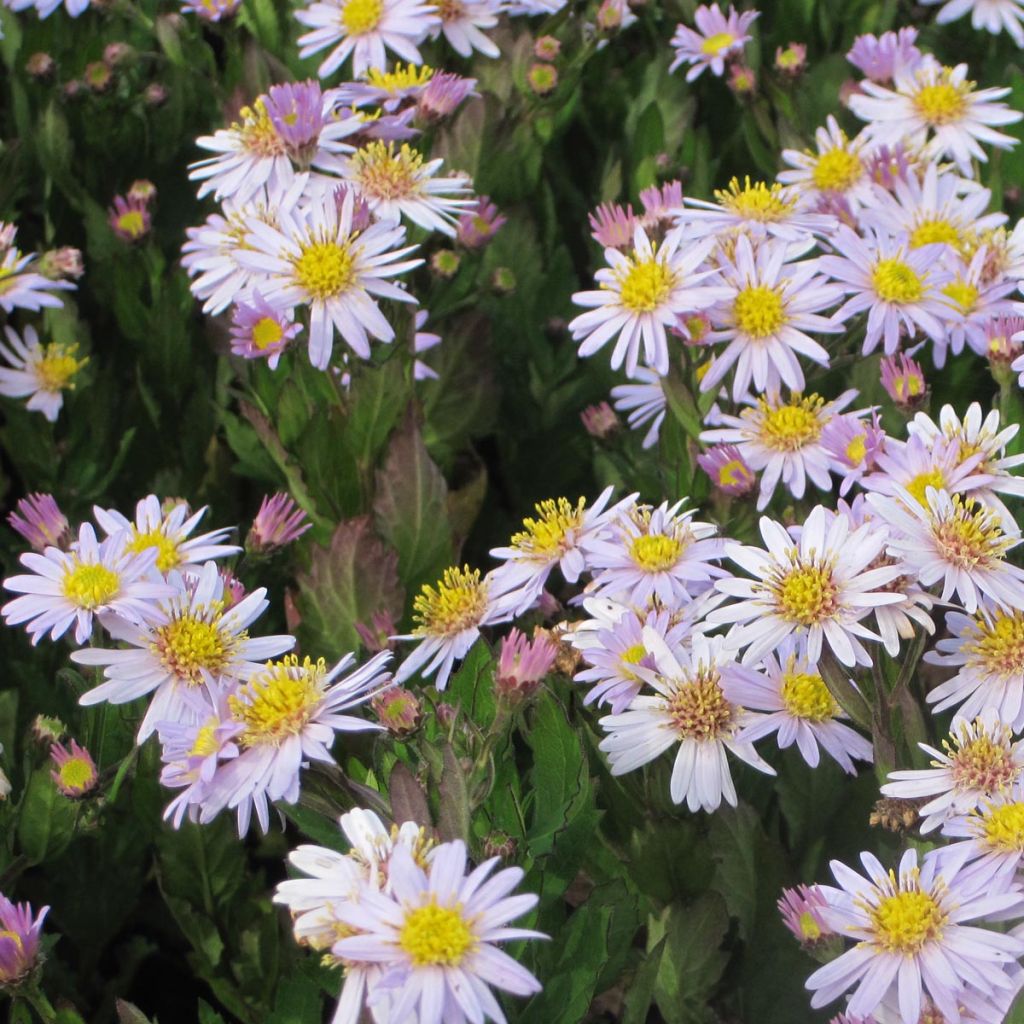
{"x":993,"y":835}
{"x":129,"y":218}
{"x":652,"y":553}
{"x":938,"y":109}
{"x":39,"y":520}
{"x":783,"y":438}
{"x":23,"y":288}
{"x":728,"y":471}
{"x":289,"y":712}
{"x":903,"y":380}
{"x":435,"y":935}
{"x":911,"y":937}
{"x":958,"y":541}
{"x":771,"y":303}
{"x":645,"y":403}
{"x":916,"y":465}
{"x":855,"y":446}
{"x":899,"y":287}
{"x":75,"y":771}
{"x":262,"y":331}
{"x":640,"y":294}
{"x":211,"y":10}
{"x":169,"y":533}
{"x":881,"y":57}
{"x":463,"y":22}
{"x":692,"y":708}
{"x":19,"y":940}
{"x":718,"y":38}
{"x":987,"y":650}
{"x":44,"y":8}
{"x":802,"y":912}
{"x":973,"y":305}
{"x":41,"y":373}
{"x":448,"y":618}
{"x":817,"y":589}
{"x":191,"y":638}
{"x":365,"y":29}
{"x":481,"y":222}
{"x":837,"y":169}
{"x":800,"y":709}
{"x":993,"y":16}
{"x":978,"y":761}
{"x":395,"y":183}
{"x":314,"y":257}
{"x":70,"y":587}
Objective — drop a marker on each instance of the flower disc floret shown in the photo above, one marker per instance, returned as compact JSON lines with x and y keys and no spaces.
{"x":997,"y":644}
{"x":806,"y":594}
{"x":279,"y":702}
{"x":1002,"y":827}
{"x":971,"y":536}
{"x":895,"y":281}
{"x":58,"y":366}
{"x":436,"y":936}
{"x":325,"y":269}
{"x":384,"y":172}
{"x":168,"y":556}
{"x":716,"y":43}
{"x":755,"y":200}
{"x":787,"y":428}
{"x":90,"y":585}
{"x":836,"y":170}
{"x":963,"y":294}
{"x":759,"y":311}
{"x":645,"y":285}
{"x":943,"y":102}
{"x":259,"y":136}
{"x":457,"y":603}
{"x":656,"y":552}
{"x":918,"y":485}
{"x":905,"y":921}
{"x":549,"y":533}
{"x":982,"y":764}
{"x":934,"y":231}
{"x":361,"y":16}
{"x":189,"y":645}
{"x":699,"y":710}
{"x":806,"y":696}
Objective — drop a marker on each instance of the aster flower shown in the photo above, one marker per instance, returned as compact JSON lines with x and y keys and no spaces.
{"x":479,"y":224}
{"x":800,"y":709}
{"x":855,"y":446}
{"x":289,"y":713}
{"x":783,"y":438}
{"x":314,"y":257}
{"x":211,"y":10}
{"x":599,"y":420}
{"x":395,"y":183}
{"x":278,"y":523}
{"x":44,"y":8}
{"x":880,"y":58}
{"x":75,"y":771}
{"x":692,"y":708}
{"x":434,"y":936}
{"x":39,"y":520}
{"x":718,"y":37}
{"x":19,"y":941}
{"x":650,"y":553}
{"x":387,"y":89}
{"x":168,"y":533}
{"x":613,"y":225}
{"x":728,"y":471}
{"x":645,"y":403}
{"x":955,"y":540}
{"x":42,"y":373}
{"x":423,"y":341}
{"x":522,"y":664}
{"x":897,"y":286}
{"x":190,"y":637}
{"x":802,"y":912}
{"x":837,"y":169}
{"x":903,"y":379}
{"x":463,"y":22}
{"x":129,"y":218}
{"x":262,"y":331}
{"x":365,"y":29}
{"x":443,"y":95}
{"x":938,"y":108}
{"x":816,"y":589}
{"x":769,"y":307}
{"x":972,"y":306}
{"x":69,"y":588}
{"x":916,"y":465}
{"x":992,"y":836}
{"x":978,"y":761}
{"x":911,"y":937}
{"x":640,"y":294}
{"x":24,"y":288}
{"x":398,"y":710}
{"x":991,"y":15}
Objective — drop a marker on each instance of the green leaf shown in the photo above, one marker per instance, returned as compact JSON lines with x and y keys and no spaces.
{"x":129,"y":1013}
{"x":379,"y":396}
{"x":453,"y":811}
{"x":208,"y":1015}
{"x":737,"y":842}
{"x":8,"y":720}
{"x":298,"y":1002}
{"x":640,"y":992}
{"x":47,"y":819}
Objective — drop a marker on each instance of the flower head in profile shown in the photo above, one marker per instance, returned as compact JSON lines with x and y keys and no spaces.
{"x":479,"y":224}
{"x":40,"y":373}
{"x":22,"y":287}
{"x":39,"y":520}
{"x":802,"y":912}
{"x":718,"y":38}
{"x":278,"y":523}
{"x":19,"y":941}
{"x":523,"y":663}
{"x":903,"y":379}
{"x":729,"y":472}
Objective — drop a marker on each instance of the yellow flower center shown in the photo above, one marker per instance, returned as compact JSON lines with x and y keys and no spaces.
{"x":759,"y":311}
{"x":645,"y":285}
{"x":654,"y":552}
{"x":548,"y":534}
{"x":384,"y":172}
{"x":997,"y":644}
{"x":187,"y":645}
{"x":787,"y":428}
{"x":806,"y":594}
{"x":90,"y":585}
{"x":732,"y":473}
{"x":918,"y":486}
{"x":964,"y":295}
{"x":13,"y":936}
{"x":457,"y":603}
{"x":1003,"y":827}
{"x":699,"y":710}
{"x":400,"y":77}
{"x":857,"y":450}
{"x":266,"y":332}
{"x":58,"y":366}
{"x":809,"y":928}
{"x":167,"y":557}
{"x":942,"y":103}
{"x":361,"y":16}
{"x":836,"y":170}
{"x":806,"y":696}
{"x":714,"y":45}
{"x":633,"y":655}
{"x":930,"y":232}
{"x":279,"y":702}
{"x":894,"y":281}
{"x":76,"y":773}
{"x":325,"y":269}
{"x":205,"y":742}
{"x":755,"y":201}
{"x":905,"y":921}
{"x":259,"y":136}
{"x":132,"y":223}
{"x":971,"y":536}
{"x":436,"y":936}
{"x":450,"y":10}
{"x":981,"y":763}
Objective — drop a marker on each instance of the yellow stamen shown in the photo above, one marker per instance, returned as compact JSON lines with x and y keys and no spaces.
{"x":550,"y":532}
{"x":837,"y":170}
{"x":458,"y":602}
{"x":645,"y":285}
{"x":167,"y":557}
{"x":905,"y":921}
{"x":857,"y":450}
{"x":931,"y":232}
{"x":188,"y":646}
{"x":278,"y":702}
{"x":787,"y":428}
{"x":755,"y":201}
{"x":805,"y":594}
{"x":918,"y":486}
{"x":806,"y":696}
{"x":942,"y":103}
{"x":996,"y":644}
{"x":654,"y":552}
{"x":963,"y":294}
{"x":759,"y":311}
{"x":90,"y":585}
{"x":266,"y":332}
{"x":325,"y":269}
{"x":361,"y":16}
{"x":386,"y":172}
{"x":699,"y":709}
{"x":1003,"y":827}
{"x":895,"y":281}
{"x":58,"y":366}
{"x":714,"y":45}
{"x":400,"y":77}
{"x":436,"y":936}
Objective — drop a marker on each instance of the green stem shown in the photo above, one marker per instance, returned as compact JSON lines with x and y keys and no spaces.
{"x":36,"y":998}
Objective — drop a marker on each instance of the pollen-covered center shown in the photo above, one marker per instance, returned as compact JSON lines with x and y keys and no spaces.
{"x":450,"y":10}
{"x":699,"y":710}
{"x":1003,"y":827}
{"x":759,"y":311}
{"x":434,"y":936}
{"x":384,"y":172}
{"x":57,"y":367}
{"x":361,"y":16}
{"x":941,"y":103}
{"x":400,"y":77}
{"x":806,"y":696}
{"x":632,"y":656}
{"x":325,"y":269}
{"x":266,"y":332}
{"x":982,"y":764}
{"x":806,"y":594}
{"x":963,"y":295}
{"x":90,"y":585}
{"x":550,"y":533}
{"x":755,"y":200}
{"x":168,"y":556}
{"x":188,"y":645}
{"x":905,"y":921}
{"x":836,"y":170}
{"x":77,"y":773}
{"x":734,"y":473}
{"x":918,"y":485}
{"x":856,"y":451}
{"x":712,"y":46}
{"x":970,"y":536}
{"x":935,"y":230}
{"x":131,"y":223}
{"x":206,"y":742}
{"x":996,"y":645}
{"x":645,"y":286}
{"x":278,"y":702}
{"x":895,"y":281}
{"x":787,"y":428}
{"x":457,"y":602}
{"x":259,"y":136}
{"x":654,"y":552}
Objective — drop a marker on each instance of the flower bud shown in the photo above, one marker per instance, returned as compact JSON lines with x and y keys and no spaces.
{"x":398,"y":710}
{"x":75,"y":773}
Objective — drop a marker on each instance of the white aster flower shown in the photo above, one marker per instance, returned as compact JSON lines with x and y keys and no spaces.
{"x":993,"y":16}
{"x":837,"y":169}
{"x":463,"y":23}
{"x":816,"y":589}
{"x":718,"y":37}
{"x":366,"y":30}
{"x":44,"y":8}
{"x":799,"y":707}
{"x":40,"y":373}
{"x":640,"y":294}
{"x":692,"y":708}
{"x":993,"y":836}
{"x":913,"y":466}
{"x":911,"y":938}
{"x":70,"y":587}
{"x":190,"y":638}
{"x":313,"y":256}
